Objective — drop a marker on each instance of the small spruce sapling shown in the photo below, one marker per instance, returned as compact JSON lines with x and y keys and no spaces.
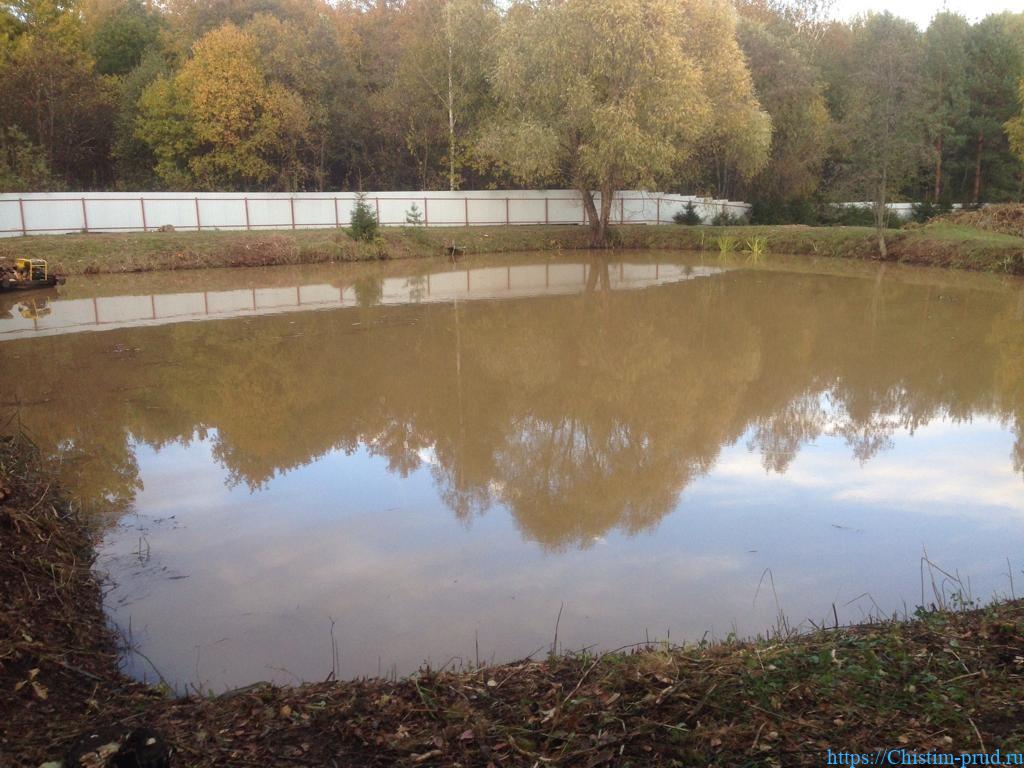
{"x":414,"y":216}
{"x":363,"y":225}
{"x":689,"y":216}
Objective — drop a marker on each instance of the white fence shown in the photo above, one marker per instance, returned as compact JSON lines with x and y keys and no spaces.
{"x":53,"y":213}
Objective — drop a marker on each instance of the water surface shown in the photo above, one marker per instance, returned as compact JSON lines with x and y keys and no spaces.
{"x":431,"y":461}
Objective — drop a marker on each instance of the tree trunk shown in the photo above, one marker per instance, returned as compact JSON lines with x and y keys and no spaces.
{"x":977,"y":166}
{"x":938,"y":170}
{"x":451,"y":99}
{"x":880,"y":214}
{"x":593,"y":217}
{"x":607,"y":194}
{"x":598,"y":219}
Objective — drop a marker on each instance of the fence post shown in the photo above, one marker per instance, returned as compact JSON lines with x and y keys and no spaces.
{"x":142,"y":207}
{"x":426,"y":219}
{"x":245,"y":200}
{"x":546,"y":221}
{"x":291,"y":201}
{"x":21,"y":210}
{"x":659,"y":211}
{"x":85,"y":217}
{"x":337,"y":219}
{"x":376,"y":204}
{"x":622,"y":210}
{"x":465,"y":201}
{"x":199,"y":223}
{"x":506,"y":212}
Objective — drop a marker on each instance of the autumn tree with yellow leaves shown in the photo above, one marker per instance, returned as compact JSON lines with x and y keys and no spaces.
{"x":620,"y":94}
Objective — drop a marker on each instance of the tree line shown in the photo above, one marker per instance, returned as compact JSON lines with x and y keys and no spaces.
{"x":764,"y":100}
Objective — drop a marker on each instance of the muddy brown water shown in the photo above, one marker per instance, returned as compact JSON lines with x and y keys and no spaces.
{"x":363,"y":468}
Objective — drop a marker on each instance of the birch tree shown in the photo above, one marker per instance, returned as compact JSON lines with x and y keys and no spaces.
{"x":440,"y":87}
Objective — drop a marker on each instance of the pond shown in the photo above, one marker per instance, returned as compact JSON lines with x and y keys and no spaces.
{"x":356,"y":469}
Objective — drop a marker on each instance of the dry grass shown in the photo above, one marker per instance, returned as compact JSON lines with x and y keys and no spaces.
{"x":938,"y":244}
{"x":1007,"y":219}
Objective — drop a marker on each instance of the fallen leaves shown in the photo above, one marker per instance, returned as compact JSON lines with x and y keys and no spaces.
{"x":38,"y":688}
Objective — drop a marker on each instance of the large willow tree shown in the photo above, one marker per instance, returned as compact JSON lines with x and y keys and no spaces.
{"x":606,"y":94}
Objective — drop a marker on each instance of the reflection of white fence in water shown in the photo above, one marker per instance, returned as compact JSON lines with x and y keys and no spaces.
{"x":63,"y":212}
{"x":35,"y":317}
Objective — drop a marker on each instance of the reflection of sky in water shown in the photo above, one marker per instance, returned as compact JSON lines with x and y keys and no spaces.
{"x":406,"y":581}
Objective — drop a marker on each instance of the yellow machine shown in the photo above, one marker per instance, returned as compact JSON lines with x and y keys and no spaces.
{"x":27,"y":273}
{"x":31,"y":269}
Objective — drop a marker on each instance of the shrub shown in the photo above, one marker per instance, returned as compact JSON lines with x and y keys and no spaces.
{"x":363,"y":225}
{"x":688,"y":216}
{"x":799,"y":211}
{"x":847,"y":216}
{"x":726,"y":219}
{"x":923,"y":211}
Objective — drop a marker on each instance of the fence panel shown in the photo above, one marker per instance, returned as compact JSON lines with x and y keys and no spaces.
{"x":314,"y":212}
{"x":442,"y":212}
{"x":565,"y":210}
{"x":486,"y":211}
{"x":10,"y":216}
{"x":104,"y":215}
{"x":179,"y":213}
{"x":270,"y":213}
{"x":53,"y":216}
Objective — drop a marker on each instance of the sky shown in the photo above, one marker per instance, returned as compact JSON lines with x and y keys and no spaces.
{"x":921,"y":11}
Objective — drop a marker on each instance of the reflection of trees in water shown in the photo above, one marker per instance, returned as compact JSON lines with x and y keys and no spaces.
{"x":779,"y":435}
{"x":580,"y":414}
{"x":1007,"y":336}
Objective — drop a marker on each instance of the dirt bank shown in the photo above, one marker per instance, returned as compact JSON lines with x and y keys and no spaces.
{"x":940,"y":244}
{"x":947,"y":682}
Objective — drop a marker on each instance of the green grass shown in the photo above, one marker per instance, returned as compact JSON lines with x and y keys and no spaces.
{"x":939,"y":244}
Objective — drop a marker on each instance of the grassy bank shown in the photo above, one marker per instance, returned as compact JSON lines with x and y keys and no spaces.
{"x":946,"y":681}
{"x":939,"y":244}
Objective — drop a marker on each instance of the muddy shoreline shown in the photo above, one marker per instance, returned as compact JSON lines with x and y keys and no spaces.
{"x":946,"y":681}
